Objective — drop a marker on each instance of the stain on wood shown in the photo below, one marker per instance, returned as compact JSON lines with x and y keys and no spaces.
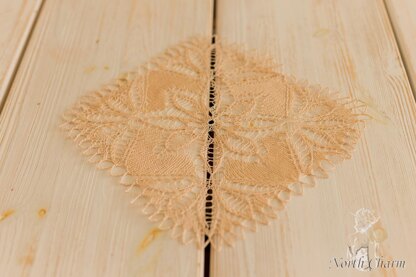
{"x":27,"y":260}
{"x":150,"y":237}
{"x":42,"y":213}
{"x":321,"y":32}
{"x":6,"y":214}
{"x":90,"y":69}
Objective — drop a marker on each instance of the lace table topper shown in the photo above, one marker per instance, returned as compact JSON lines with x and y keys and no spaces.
{"x":213,"y":140}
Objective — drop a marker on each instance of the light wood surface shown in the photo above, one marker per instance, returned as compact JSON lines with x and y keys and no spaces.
{"x":58,"y":215}
{"x":61,"y":217}
{"x":347,"y":46}
{"x":402,"y":15}
{"x":17,"y":19}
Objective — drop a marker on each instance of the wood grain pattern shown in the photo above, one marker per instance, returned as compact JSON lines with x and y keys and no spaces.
{"x":17,"y":19}
{"x":60,"y":216}
{"x":402,"y":15}
{"x":347,"y":46}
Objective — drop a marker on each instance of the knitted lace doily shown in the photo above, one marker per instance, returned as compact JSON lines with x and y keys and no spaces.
{"x":213,"y":140}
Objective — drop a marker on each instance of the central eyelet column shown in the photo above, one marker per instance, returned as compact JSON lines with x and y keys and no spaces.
{"x":210,"y":140}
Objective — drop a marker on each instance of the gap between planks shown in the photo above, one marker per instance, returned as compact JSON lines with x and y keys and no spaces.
{"x":400,"y":49}
{"x":10,"y":74}
{"x":207,"y":249}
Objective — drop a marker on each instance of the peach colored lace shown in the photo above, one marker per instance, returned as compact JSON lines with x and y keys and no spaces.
{"x":212,"y":140}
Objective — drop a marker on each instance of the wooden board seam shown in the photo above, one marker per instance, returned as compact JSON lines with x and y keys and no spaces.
{"x":20,"y":51}
{"x":399,"y":48}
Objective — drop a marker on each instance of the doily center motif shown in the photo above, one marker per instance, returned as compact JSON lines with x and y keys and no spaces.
{"x":212,"y":140}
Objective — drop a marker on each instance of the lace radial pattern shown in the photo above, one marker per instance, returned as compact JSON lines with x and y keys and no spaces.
{"x":269,"y":136}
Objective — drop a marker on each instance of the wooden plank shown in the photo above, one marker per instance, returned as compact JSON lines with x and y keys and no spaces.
{"x":17,"y":19}
{"x":349,"y":47}
{"x":402,"y":16}
{"x":59,"y":215}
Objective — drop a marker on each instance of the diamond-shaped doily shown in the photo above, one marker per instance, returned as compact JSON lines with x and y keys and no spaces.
{"x":269,"y":136}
